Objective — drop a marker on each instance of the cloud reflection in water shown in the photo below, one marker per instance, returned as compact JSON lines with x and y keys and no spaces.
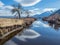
{"x":28,"y":34}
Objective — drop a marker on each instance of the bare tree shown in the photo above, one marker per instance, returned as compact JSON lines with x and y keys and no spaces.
{"x":28,"y":13}
{"x":17,"y":8}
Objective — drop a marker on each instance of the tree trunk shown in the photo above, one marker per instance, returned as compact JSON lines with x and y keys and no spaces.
{"x":19,"y":14}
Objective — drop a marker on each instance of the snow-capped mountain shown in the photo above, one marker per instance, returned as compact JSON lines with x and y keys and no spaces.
{"x":44,"y":14}
{"x":58,"y":12}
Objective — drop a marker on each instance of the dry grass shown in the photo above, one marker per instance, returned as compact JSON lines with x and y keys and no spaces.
{"x":9,"y":22}
{"x":6,"y":34}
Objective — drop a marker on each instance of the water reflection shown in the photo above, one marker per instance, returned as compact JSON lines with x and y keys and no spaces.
{"x":39,"y":23}
{"x":28,"y":33}
{"x":38,"y":34}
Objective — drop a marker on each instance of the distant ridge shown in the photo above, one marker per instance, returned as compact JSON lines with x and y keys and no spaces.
{"x":58,"y":12}
{"x":7,"y":17}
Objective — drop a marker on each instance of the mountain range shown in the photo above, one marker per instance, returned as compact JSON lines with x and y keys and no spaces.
{"x":44,"y":14}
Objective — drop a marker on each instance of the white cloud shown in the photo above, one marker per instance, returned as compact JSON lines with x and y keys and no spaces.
{"x":32,"y":12}
{"x":49,"y":9}
{"x":8,"y":7}
{"x":28,"y":33}
{"x":1,"y":4}
{"x":27,"y":2}
{"x":39,"y":23}
{"x":38,"y":11}
{"x":35,"y":11}
{"x":6,"y":11}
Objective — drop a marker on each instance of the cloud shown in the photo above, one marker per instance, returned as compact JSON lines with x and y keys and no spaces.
{"x":39,"y":23}
{"x":32,"y":12}
{"x":1,"y":4}
{"x":35,"y":11}
{"x":49,"y":9}
{"x":6,"y":10}
{"x":27,"y":2}
{"x":38,"y":11}
{"x":8,"y":7}
{"x":28,"y":34}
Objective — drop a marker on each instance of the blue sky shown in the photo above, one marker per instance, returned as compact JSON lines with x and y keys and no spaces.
{"x":41,"y":4}
{"x":35,"y":6}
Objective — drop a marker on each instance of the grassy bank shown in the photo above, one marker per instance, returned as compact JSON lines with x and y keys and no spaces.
{"x":10,"y":27}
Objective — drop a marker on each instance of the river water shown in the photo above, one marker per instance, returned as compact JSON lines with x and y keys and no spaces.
{"x":39,"y":33}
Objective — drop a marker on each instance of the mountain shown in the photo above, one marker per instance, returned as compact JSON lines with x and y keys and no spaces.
{"x":53,"y":19}
{"x":56,"y":12}
{"x":44,"y":14}
{"x":7,"y":17}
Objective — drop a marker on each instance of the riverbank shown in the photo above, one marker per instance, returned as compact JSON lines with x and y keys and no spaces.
{"x":10,"y":27}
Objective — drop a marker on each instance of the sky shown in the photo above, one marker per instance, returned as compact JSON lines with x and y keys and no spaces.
{"x":35,"y":6}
